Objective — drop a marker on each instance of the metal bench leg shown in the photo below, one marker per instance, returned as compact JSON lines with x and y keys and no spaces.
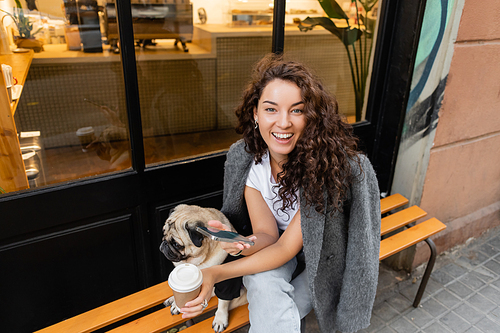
{"x":427,"y":273}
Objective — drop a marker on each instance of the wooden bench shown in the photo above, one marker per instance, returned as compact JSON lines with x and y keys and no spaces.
{"x":162,"y":320}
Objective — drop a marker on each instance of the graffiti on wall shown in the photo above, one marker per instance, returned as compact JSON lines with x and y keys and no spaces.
{"x":427,"y":90}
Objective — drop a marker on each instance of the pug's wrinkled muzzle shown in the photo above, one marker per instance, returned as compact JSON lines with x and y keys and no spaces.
{"x":170,"y":252}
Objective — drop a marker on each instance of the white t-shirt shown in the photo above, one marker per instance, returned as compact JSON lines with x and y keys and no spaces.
{"x":261,"y":179}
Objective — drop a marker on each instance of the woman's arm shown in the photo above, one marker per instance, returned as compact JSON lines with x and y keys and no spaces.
{"x":265,"y":229}
{"x":273,"y":256}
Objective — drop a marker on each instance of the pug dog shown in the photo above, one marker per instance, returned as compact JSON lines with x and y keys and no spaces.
{"x":181,"y":243}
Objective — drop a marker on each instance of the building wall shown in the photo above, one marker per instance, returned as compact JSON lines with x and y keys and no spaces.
{"x":432,"y":64}
{"x":462,"y":180}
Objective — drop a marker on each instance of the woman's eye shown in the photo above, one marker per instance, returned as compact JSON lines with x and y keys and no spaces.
{"x":270,"y":110}
{"x":297,"y":111}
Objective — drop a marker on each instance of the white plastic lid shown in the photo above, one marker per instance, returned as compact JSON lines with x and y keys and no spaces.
{"x":84,"y":131}
{"x":185,"y":278}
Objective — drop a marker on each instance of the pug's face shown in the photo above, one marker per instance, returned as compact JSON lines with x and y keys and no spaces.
{"x":182,"y":243}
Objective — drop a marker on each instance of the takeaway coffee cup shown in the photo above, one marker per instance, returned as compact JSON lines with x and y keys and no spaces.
{"x":86,"y":136}
{"x":185,"y":281}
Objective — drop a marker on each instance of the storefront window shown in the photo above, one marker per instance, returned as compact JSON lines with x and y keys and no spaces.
{"x":68,"y":104}
{"x":193,"y":59}
{"x":335,"y":38}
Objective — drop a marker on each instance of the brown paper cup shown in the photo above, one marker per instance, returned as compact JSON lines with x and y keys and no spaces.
{"x":185,"y":281}
{"x":182,"y":298}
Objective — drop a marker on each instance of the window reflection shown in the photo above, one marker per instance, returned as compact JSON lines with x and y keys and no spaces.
{"x":341,"y":33}
{"x":188,"y":93}
{"x":193,"y":60}
{"x":70,"y":116}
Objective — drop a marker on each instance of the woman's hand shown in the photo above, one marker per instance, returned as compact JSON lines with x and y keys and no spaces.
{"x":231,"y":248}
{"x":195,"y":307}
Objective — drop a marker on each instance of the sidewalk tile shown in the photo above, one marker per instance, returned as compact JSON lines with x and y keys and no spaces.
{"x":432,"y":286}
{"x":472,"y":281}
{"x":496,"y":283}
{"x":455,"y":322}
{"x":481,"y":303}
{"x":385,"y":311}
{"x":375,"y":324}
{"x":488,"y":249}
{"x":411,"y":291}
{"x":459,"y":289}
{"x":454,"y":270}
{"x":419,"y":317}
{"x":472,"y":259}
{"x":488,"y":326}
{"x":436,"y":328}
{"x":402,"y":325}
{"x":485,"y":274}
{"x":491,"y":293}
{"x":433,"y":307}
{"x":401,"y":303}
{"x":495,"y":314}
{"x":446,"y":298}
{"x":473,"y":330}
{"x":441,"y":276}
{"x":469,"y":313}
{"x":493,"y":266}
{"x":495,"y":242}
{"x":386,"y":330}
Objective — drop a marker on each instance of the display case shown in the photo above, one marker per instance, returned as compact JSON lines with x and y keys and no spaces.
{"x":154,"y":19}
{"x":260,"y":12}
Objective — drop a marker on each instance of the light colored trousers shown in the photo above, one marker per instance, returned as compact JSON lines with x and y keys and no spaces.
{"x":276,"y":304}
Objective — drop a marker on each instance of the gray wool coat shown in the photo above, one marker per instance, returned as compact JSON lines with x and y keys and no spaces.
{"x":341,"y":250}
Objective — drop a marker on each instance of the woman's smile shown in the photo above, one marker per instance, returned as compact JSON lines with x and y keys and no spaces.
{"x":280,"y":117}
{"x":284,"y":137}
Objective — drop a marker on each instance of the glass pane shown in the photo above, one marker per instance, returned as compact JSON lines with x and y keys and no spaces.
{"x":335,"y":39}
{"x":193,"y":60}
{"x":69,"y":107}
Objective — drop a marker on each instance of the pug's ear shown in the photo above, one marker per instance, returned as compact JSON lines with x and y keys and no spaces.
{"x":195,"y":236}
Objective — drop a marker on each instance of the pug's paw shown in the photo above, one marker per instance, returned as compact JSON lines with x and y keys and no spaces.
{"x":173,"y":307}
{"x":221,"y":320}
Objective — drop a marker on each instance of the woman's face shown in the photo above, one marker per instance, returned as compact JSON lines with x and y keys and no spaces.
{"x":281,"y":118}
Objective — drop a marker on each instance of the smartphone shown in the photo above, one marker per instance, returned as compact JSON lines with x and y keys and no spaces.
{"x":223,"y":236}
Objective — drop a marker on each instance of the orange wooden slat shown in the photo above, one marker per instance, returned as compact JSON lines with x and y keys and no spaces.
{"x":409,"y":237}
{"x":114,"y":311}
{"x":237,"y":318}
{"x":401,"y":218}
{"x":392,"y":202}
{"x":158,"y":321}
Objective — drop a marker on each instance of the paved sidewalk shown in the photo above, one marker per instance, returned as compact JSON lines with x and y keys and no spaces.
{"x":462,"y":295}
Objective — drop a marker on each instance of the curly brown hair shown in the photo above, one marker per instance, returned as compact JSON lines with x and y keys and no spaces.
{"x":323,"y":154}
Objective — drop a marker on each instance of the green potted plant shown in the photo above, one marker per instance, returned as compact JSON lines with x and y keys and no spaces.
{"x":24,"y":27}
{"x":358,"y":49}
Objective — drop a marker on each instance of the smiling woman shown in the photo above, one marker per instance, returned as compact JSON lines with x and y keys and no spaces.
{"x":305,"y":187}
{"x":281,"y":120}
